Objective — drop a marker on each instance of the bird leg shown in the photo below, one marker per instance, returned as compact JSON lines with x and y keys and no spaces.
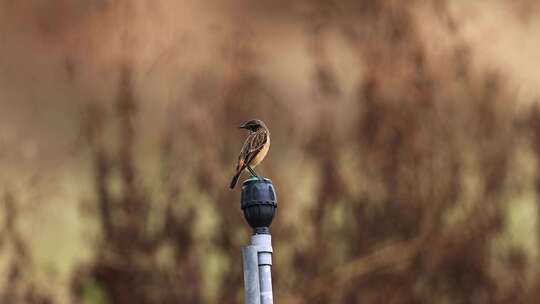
{"x":253,"y":172}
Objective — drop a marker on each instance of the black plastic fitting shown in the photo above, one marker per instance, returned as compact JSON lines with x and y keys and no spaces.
{"x":259,"y":203}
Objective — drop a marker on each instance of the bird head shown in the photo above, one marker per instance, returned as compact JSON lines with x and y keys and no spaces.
{"x":253,"y":125}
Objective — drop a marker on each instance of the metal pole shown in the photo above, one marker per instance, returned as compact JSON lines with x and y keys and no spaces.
{"x":263,"y":243}
{"x":251,"y":275}
{"x":258,"y":202}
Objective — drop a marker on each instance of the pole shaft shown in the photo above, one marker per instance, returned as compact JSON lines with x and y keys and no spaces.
{"x":265,"y":283}
{"x":263,"y":243}
{"x":251,"y":275}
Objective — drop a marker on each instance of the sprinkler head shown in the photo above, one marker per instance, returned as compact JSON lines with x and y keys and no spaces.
{"x":259,"y":203}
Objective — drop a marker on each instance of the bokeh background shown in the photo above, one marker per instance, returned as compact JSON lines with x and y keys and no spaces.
{"x":405,"y":149}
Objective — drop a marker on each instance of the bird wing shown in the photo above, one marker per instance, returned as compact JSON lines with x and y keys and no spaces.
{"x":253,"y":145}
{"x":258,"y":139}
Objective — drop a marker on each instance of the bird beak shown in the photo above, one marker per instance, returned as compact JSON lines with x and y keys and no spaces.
{"x":243,"y":126}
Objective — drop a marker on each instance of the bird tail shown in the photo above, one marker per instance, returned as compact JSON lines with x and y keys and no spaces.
{"x":235,"y":179}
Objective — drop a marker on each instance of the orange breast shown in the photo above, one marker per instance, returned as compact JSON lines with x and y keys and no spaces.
{"x":261,"y":155}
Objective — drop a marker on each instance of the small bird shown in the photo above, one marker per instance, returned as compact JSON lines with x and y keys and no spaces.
{"x":254,"y":150}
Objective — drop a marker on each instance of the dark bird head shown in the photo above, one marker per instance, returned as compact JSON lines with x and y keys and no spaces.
{"x":253,"y":125}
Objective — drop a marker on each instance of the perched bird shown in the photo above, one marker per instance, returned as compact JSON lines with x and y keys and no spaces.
{"x":254,"y":150}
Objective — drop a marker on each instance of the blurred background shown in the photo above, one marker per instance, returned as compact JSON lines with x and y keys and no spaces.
{"x":405,"y":149}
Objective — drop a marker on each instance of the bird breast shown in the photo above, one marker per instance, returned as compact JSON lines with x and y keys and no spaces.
{"x":262,"y":154}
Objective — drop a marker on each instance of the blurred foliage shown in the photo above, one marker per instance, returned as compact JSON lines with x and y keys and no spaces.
{"x":17,"y":286}
{"x":394,"y":191}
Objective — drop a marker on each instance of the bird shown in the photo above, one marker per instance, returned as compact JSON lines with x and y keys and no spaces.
{"x":254,"y":149}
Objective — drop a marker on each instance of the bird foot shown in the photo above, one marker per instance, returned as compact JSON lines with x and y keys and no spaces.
{"x":254,"y":174}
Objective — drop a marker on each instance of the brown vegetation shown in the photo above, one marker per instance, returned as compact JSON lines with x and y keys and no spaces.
{"x":394,"y":193}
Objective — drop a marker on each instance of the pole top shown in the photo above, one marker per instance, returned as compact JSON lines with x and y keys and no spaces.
{"x":259,"y":203}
